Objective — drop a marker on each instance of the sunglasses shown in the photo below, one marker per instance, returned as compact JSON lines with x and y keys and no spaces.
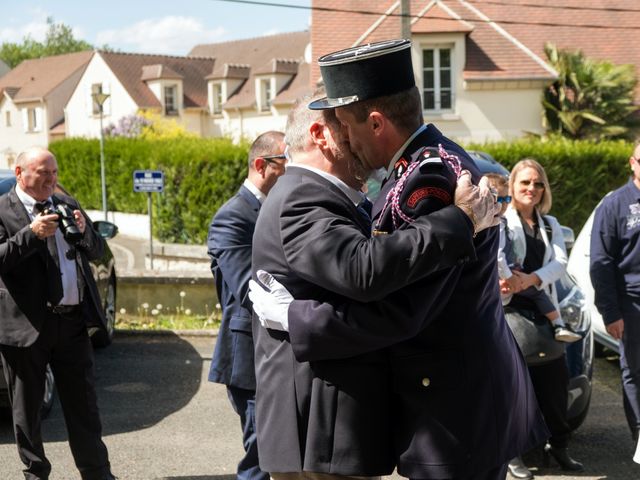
{"x":505,"y":199}
{"x":536,"y":185}
{"x":280,"y":156}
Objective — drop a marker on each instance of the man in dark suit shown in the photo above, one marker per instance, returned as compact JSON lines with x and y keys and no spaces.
{"x":463,"y":404}
{"x":229,"y":246}
{"x":47,"y":299}
{"x":331,"y":418}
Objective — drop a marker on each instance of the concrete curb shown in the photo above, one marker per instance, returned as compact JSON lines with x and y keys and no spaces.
{"x":179,"y":333}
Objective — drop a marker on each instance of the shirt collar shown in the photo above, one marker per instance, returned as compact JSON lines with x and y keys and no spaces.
{"x":255,"y":190}
{"x":356,"y":196}
{"x":27,"y":200}
{"x":401,"y":150}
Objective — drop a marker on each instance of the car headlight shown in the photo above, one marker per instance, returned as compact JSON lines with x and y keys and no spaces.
{"x":573,"y":310}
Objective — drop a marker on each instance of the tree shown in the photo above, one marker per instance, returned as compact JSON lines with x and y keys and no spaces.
{"x":59,"y":39}
{"x":591,"y":99}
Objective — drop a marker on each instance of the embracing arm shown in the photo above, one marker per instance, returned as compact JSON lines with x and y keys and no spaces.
{"x":324,"y":246}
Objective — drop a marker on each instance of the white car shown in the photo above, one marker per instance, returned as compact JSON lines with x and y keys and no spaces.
{"x":578,"y":267}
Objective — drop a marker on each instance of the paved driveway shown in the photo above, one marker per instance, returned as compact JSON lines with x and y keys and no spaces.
{"x":163,"y":420}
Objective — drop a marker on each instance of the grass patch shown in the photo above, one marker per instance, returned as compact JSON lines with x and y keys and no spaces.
{"x":162,"y":321}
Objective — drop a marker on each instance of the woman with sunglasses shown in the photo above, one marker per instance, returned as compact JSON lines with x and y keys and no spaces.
{"x":535,"y":257}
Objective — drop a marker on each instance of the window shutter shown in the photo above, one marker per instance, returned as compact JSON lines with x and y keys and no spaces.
{"x":25,"y":119}
{"x":37,"y":127}
{"x":88,"y":102}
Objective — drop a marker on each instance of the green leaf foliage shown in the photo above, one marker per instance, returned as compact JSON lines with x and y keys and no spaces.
{"x":58,"y":40}
{"x":580,"y":172}
{"x":591,"y":99}
{"x":200,"y":175}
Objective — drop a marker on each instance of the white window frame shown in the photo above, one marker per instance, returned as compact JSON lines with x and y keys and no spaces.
{"x":95,"y":88}
{"x":266,"y":94}
{"x":32,"y":118}
{"x":173,"y":89}
{"x":7,"y":118}
{"x":437,"y":88}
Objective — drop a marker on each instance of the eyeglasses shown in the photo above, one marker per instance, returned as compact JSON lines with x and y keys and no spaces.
{"x":505,"y":199}
{"x":280,"y":156}
{"x":536,"y":185}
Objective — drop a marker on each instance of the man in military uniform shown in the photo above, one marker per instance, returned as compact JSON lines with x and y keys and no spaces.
{"x":615,"y":275}
{"x":463,"y":403}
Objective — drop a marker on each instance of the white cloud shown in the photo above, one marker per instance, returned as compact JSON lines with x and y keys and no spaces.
{"x":174,"y":35}
{"x":36,"y":28}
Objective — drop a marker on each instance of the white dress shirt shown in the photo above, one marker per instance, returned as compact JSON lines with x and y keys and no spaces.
{"x":68,"y":268}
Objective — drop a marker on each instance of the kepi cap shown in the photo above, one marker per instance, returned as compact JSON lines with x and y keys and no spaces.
{"x":366,"y":71}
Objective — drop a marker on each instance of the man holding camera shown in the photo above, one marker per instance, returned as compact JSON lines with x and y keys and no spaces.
{"x":47,"y":299}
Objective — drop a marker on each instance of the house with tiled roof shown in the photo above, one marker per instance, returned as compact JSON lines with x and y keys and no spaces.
{"x":173,"y":86}
{"x":480,"y":65}
{"x":33,"y":97}
{"x":255,"y":81}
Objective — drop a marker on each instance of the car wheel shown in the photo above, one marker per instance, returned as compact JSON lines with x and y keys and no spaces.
{"x":103,"y":338}
{"x":49,"y":387}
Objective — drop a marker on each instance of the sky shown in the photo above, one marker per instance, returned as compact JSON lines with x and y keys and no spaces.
{"x":145,"y":26}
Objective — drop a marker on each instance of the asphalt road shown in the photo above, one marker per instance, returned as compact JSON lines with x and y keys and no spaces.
{"x":163,"y":420}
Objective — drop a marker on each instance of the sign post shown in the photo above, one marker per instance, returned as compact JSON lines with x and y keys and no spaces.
{"x":149,"y":181}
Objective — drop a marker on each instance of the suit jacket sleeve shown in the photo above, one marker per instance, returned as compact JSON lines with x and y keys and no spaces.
{"x":18,"y":247}
{"x":229,"y":246}
{"x":324,"y":331}
{"x":324,"y":245}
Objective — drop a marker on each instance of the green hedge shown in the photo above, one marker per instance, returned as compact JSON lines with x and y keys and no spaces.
{"x":580,"y":172}
{"x":201,"y":174}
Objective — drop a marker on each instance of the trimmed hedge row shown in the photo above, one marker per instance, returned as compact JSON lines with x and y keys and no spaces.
{"x":580,"y":172}
{"x":201,"y":174}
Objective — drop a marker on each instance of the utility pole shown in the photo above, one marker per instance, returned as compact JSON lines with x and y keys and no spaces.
{"x":405,"y":19}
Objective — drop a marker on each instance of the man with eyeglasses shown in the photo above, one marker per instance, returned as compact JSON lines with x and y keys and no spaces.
{"x":229,"y":246}
{"x":615,"y":275}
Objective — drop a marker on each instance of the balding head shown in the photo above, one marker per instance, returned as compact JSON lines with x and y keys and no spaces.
{"x":37,"y":172}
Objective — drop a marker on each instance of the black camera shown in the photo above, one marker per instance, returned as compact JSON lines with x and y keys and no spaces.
{"x":66,"y":222}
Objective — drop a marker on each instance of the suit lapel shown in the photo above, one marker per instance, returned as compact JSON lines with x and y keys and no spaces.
{"x":337,"y":194}
{"x":20,"y":213}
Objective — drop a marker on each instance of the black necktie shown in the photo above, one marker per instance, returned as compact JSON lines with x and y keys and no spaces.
{"x":364,"y":209}
{"x":54,"y":280}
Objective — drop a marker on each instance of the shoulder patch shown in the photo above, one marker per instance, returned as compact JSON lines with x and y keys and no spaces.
{"x":428,"y":192}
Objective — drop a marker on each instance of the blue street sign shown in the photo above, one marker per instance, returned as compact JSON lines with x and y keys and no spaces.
{"x":148,"y":181}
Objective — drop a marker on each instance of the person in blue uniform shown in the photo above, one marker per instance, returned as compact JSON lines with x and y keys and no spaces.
{"x":229,"y":247}
{"x":615,"y":275}
{"x":462,"y":403}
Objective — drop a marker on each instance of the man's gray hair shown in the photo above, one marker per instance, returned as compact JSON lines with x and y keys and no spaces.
{"x":300,"y":119}
{"x":23,"y":157}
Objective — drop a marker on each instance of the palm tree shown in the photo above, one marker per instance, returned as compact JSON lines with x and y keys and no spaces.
{"x":591,"y":99}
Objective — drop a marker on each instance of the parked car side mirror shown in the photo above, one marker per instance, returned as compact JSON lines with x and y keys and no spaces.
{"x":106,"y":229}
{"x":569,"y":237}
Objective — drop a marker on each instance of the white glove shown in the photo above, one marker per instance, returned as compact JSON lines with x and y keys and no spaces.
{"x":270,"y":304}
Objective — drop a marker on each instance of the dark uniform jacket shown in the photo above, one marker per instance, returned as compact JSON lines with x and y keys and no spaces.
{"x":615,"y":252}
{"x":462,"y":399}
{"x":229,"y":246}
{"x":333,"y":416}
{"x":23,"y":279}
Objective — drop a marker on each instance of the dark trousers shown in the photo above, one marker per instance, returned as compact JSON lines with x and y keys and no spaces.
{"x":497,"y":473}
{"x":630,"y":365}
{"x":550,"y":382}
{"x":65,"y":345}
{"x":244,"y":404}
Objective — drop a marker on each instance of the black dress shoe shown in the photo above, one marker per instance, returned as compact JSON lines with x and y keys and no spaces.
{"x":518,"y":469}
{"x":561,"y":455}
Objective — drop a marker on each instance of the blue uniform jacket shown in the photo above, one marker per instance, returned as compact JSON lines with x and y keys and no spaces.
{"x":615,"y":251}
{"x":229,"y":246}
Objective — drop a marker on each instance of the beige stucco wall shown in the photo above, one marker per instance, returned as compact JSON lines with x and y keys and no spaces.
{"x":79,"y":121}
{"x":14,"y":139}
{"x":489,"y":110}
{"x":249,"y":123}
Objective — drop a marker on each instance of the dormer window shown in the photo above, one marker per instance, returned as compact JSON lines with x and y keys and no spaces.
{"x":170,"y":100}
{"x":437,"y":90}
{"x":266,"y":92}
{"x":217,"y":98}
